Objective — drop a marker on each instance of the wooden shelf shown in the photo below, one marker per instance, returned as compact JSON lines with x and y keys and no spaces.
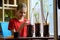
{"x":7,"y":4}
{"x":10,"y":5}
{"x":30,"y":38}
{"x":7,"y":8}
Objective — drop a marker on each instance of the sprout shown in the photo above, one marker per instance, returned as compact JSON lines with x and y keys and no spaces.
{"x":46,"y":18}
{"x":36,"y":14}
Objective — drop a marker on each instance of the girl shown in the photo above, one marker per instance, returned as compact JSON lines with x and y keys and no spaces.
{"x":19,"y":20}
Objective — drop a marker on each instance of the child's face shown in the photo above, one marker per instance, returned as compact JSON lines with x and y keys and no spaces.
{"x":21,"y":13}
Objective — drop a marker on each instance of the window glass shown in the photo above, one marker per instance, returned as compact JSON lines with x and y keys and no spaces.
{"x":47,"y":8}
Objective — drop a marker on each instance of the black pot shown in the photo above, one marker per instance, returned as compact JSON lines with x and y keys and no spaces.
{"x":37,"y":30}
{"x":46,"y":30}
{"x":16,"y":34}
{"x":30,"y":30}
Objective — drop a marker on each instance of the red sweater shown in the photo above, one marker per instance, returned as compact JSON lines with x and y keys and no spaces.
{"x":15,"y":24}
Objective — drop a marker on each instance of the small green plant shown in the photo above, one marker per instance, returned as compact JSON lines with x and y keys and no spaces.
{"x":8,"y":15}
{"x":36,"y":14}
{"x":46,"y":18}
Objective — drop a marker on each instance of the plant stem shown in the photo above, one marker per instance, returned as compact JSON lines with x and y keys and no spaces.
{"x":46,"y":18}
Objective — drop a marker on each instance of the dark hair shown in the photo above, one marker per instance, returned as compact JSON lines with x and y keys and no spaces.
{"x":21,"y":5}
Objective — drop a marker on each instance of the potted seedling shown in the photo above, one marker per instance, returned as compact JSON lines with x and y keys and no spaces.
{"x":30,"y":30}
{"x":46,"y":27}
{"x":37,"y":23}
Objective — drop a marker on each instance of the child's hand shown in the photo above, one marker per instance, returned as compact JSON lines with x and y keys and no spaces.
{"x":27,"y":21}
{"x":22,"y":25}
